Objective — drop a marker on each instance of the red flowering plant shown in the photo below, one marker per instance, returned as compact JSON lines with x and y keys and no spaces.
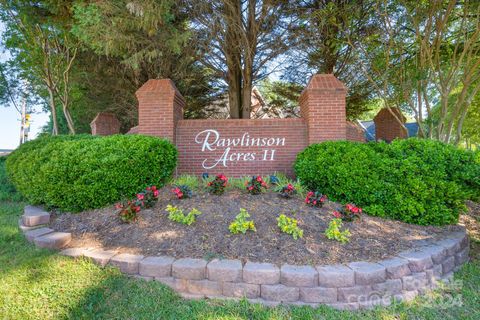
{"x":182,"y":192}
{"x":315,"y":199}
{"x":148,"y":197}
{"x":287,"y":191}
{"x":255,"y":185}
{"x":349,"y":212}
{"x":128,"y":210}
{"x":217,"y":186}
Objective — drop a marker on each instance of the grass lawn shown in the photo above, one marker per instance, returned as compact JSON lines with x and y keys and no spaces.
{"x":39,"y":284}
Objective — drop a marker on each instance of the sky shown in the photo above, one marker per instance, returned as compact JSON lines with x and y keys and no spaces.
{"x":10,"y":118}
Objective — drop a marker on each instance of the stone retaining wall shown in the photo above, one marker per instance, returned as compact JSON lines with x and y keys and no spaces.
{"x":353,"y":286}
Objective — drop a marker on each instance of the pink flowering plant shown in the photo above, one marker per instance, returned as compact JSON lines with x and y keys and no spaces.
{"x":315,"y":199}
{"x":182,"y":192}
{"x":217,"y":186}
{"x":128,"y":210}
{"x":148,"y":197}
{"x":256,"y":185}
{"x":287,"y":191}
{"x":349,"y":212}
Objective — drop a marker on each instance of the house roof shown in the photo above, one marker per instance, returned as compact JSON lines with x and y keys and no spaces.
{"x":369,"y":127}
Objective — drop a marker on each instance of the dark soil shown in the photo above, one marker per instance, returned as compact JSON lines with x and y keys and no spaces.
{"x":154,"y":234}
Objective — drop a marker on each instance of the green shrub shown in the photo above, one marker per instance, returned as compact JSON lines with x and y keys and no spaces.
{"x":413,"y":180}
{"x":75,"y":173}
{"x":7,"y":189}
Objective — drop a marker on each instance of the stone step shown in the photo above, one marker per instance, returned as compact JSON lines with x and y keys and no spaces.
{"x":35,"y":233}
{"x":34,"y":216}
{"x":54,"y":240}
{"x":25,"y":228}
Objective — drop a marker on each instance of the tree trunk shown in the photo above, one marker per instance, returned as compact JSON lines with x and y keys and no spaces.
{"x":68,"y":117}
{"x":53,"y":110}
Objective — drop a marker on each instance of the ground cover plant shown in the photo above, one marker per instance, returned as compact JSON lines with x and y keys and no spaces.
{"x":241,"y":224}
{"x":334,"y":231}
{"x":413,"y":180}
{"x":289,"y":226}
{"x":177,"y":215}
{"x":74,"y":174}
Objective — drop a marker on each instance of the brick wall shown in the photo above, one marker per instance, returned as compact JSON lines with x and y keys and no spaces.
{"x":387,"y":126}
{"x":354,"y":132}
{"x":105,"y":124}
{"x":269,"y":145}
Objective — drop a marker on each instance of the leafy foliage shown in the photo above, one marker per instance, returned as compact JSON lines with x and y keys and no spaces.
{"x":256,"y":185}
{"x":177,"y":215}
{"x":315,"y":199}
{"x":7,"y":189}
{"x":76,"y":173}
{"x":333,"y":231}
{"x":128,"y":210}
{"x":217,"y":186}
{"x":182,"y":192}
{"x":417,"y":181}
{"x":241,"y":224}
{"x":349,"y":212}
{"x":287,"y":191}
{"x":289,"y":226}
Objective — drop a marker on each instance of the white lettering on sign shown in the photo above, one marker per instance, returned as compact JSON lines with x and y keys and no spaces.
{"x":211,"y":140}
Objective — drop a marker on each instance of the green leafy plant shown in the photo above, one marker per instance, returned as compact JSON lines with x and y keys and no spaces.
{"x":289,"y":226}
{"x":414,"y":180}
{"x":241,"y":224}
{"x":256,"y":185}
{"x":190,"y":181}
{"x":177,"y":215}
{"x":217,"y":186}
{"x":75,"y":173}
{"x":148,"y":197}
{"x":315,"y":199}
{"x":128,"y":210}
{"x":349,"y":212}
{"x":287,"y":191}
{"x":333,"y":231}
{"x":182,"y":192}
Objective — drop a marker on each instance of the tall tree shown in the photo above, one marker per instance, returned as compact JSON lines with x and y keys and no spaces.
{"x":43,"y":50}
{"x":240,"y":40}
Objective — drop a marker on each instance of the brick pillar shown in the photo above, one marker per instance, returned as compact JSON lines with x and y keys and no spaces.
{"x":387,"y":126}
{"x":105,"y":124}
{"x":322,"y":105}
{"x":160,"y":106}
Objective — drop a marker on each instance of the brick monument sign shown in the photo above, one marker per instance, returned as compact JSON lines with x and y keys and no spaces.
{"x":238,"y":147}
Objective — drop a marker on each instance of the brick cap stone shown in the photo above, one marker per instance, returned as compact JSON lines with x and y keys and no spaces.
{"x":159,"y":86}
{"x":54,"y":240}
{"x":325,"y":82}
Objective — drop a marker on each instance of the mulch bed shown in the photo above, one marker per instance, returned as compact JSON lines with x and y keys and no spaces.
{"x":154,"y":234}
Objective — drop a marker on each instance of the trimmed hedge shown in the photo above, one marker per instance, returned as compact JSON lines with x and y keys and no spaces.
{"x":75,"y":173}
{"x":413,"y":180}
